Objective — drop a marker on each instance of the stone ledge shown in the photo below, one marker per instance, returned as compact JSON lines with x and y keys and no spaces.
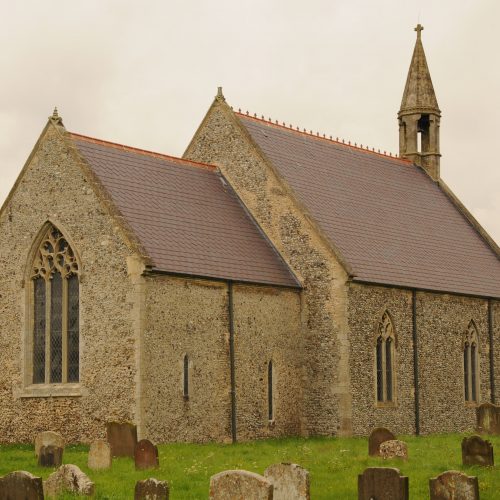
{"x":50,"y":390}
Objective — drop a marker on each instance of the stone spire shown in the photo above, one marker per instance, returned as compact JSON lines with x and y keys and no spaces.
{"x":420,"y":115}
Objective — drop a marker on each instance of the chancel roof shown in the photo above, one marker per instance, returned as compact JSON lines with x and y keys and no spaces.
{"x":188,"y":219}
{"x":390,"y":222}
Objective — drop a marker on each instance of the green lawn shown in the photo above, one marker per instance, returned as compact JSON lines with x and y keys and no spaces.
{"x":334,"y":464}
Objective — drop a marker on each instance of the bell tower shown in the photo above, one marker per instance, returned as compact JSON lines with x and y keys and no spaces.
{"x":419,"y":114}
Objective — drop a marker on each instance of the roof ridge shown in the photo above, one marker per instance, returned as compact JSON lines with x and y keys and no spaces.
{"x":321,"y":137}
{"x":145,"y":152}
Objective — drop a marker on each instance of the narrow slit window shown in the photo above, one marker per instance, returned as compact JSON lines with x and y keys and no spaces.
{"x":384,"y":360}
{"x":380,"y":373}
{"x":388,"y":369}
{"x":186,"y":377}
{"x":471,"y":364}
{"x":270,"y":402}
{"x":39,"y":331}
{"x":473,"y":371}
{"x":466,"y":370}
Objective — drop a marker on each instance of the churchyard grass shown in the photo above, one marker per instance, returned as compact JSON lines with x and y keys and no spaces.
{"x":334,"y":465}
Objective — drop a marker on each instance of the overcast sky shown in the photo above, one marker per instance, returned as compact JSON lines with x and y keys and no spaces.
{"x":144,"y":73}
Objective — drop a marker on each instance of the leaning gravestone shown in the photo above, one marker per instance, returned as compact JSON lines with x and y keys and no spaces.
{"x":151,"y":489}
{"x":21,"y":485}
{"x":454,"y":485}
{"x":50,"y":456}
{"x":394,"y":449}
{"x":122,"y":437}
{"x":240,"y":484}
{"x":99,"y":455}
{"x":382,"y":483}
{"x":377,"y":437}
{"x":477,"y":451}
{"x":290,"y":481}
{"x":68,"y":479}
{"x":146,"y":455}
{"x":488,"y":418}
{"x":48,"y":438}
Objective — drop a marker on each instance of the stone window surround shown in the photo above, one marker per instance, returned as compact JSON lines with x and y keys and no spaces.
{"x":385,"y":315}
{"x":29,"y":389}
{"x":470,"y":337}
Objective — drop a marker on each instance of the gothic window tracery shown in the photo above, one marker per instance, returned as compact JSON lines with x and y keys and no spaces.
{"x":384,"y":359}
{"x":471,"y":362}
{"x":56,"y":287}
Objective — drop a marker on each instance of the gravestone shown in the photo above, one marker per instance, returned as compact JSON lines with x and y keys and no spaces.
{"x":477,"y":451}
{"x":240,"y":484}
{"x":488,"y":418}
{"x":290,"y":481}
{"x":21,"y":485}
{"x":377,"y":437}
{"x":99,"y":455}
{"x":48,"y":438}
{"x":382,"y":483}
{"x":68,"y":479}
{"x":394,"y":449}
{"x":122,"y":437}
{"x":50,"y":456}
{"x":454,"y":485}
{"x":146,"y":455}
{"x":151,"y":489}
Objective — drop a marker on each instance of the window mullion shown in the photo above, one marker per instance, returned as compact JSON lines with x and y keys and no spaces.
{"x":48,"y":302}
{"x":64,"y":331}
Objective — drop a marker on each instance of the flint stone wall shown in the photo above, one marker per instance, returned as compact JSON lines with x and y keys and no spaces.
{"x":53,"y":186}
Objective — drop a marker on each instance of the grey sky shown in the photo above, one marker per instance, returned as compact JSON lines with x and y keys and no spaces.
{"x":144,"y":74}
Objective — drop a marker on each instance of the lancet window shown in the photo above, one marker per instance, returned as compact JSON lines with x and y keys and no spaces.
{"x":56,"y":311}
{"x":270,"y":395}
{"x":185,"y":377}
{"x":384,"y":359}
{"x":471,"y":364}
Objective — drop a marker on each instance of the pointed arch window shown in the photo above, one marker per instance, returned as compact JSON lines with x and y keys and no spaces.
{"x":56,"y":301}
{"x":471,"y":364}
{"x":384,"y":359}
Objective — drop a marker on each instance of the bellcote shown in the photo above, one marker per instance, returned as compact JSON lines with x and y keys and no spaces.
{"x":419,"y":115}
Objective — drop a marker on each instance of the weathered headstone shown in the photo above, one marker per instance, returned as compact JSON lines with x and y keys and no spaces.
{"x":240,"y":484}
{"x":68,"y":479}
{"x":122,"y":437}
{"x":394,"y":449}
{"x":146,"y":455}
{"x":377,"y":437}
{"x":454,"y":485}
{"x":99,"y":455}
{"x":476,"y":451}
{"x":382,"y":483}
{"x":488,"y":418}
{"x":151,"y":489}
{"x":50,"y":456}
{"x":21,"y":485}
{"x":48,"y":438}
{"x":290,"y":481}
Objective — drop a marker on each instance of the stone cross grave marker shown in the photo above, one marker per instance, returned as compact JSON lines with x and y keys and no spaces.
{"x":99,"y":455}
{"x":477,"y":451}
{"x":454,"y":485}
{"x":377,"y":437}
{"x":240,"y":484}
{"x":290,"y":481}
{"x":21,"y":485}
{"x":151,"y":489}
{"x":382,"y":483}
{"x":68,"y":479}
{"x":122,"y":437}
{"x":488,"y":418}
{"x":48,"y":438}
{"x":146,"y":455}
{"x":50,"y":456}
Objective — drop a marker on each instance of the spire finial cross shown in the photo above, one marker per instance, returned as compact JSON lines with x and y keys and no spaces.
{"x":419,"y":28}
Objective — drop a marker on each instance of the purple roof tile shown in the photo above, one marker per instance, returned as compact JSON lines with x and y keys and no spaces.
{"x":185,"y":215}
{"x":389,"y":220}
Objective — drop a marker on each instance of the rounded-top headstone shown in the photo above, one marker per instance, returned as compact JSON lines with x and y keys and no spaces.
{"x":48,"y":438}
{"x":240,"y":484}
{"x":99,"y":455}
{"x":21,"y":485}
{"x":290,"y":481}
{"x":146,"y":455}
{"x":377,"y":437}
{"x":394,"y":449}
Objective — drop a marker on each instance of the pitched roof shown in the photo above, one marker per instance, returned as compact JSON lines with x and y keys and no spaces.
{"x":185,"y":215}
{"x":389,"y":220}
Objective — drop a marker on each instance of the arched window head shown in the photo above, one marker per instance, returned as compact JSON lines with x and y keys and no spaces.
{"x":471,"y":363}
{"x":384,"y":359}
{"x":55,"y":309}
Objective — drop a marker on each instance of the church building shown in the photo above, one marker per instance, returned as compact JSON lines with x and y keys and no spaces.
{"x":272,"y":282}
